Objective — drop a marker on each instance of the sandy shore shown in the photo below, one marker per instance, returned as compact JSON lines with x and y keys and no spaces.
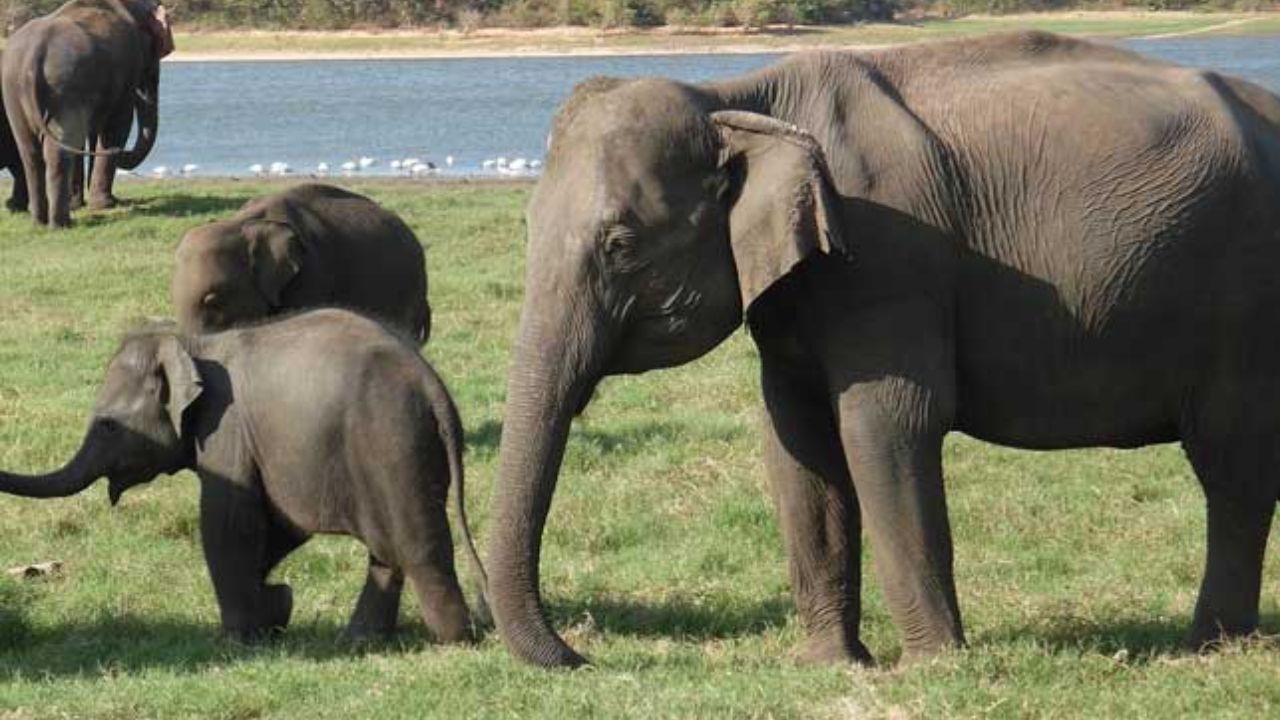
{"x":224,"y":46}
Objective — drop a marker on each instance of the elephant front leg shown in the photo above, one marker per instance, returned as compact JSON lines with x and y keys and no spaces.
{"x":235,"y":533}
{"x":818,"y":513}
{"x":897,"y":472}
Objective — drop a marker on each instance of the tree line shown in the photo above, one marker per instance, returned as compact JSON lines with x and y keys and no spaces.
{"x":471,"y":14}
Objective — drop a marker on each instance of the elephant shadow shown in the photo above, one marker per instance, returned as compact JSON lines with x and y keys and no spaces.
{"x":130,"y":644}
{"x":184,"y":205}
{"x":1139,"y":641}
{"x":676,"y":618}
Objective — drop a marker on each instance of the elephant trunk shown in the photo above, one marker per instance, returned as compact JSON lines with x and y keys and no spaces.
{"x":146,"y":106}
{"x":72,"y":478}
{"x":551,"y":376}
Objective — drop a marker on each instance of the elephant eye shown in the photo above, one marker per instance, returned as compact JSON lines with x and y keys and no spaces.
{"x":210,"y":300}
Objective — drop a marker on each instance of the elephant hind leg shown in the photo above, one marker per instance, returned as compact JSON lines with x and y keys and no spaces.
{"x":57,"y":184}
{"x":1237,"y":470}
{"x":378,"y":608}
{"x":443,"y":608}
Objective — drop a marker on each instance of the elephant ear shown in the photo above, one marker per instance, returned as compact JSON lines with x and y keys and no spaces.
{"x":275,"y":256}
{"x":784,"y":205}
{"x":181,"y":380}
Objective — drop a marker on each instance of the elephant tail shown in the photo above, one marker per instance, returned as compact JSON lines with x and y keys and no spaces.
{"x":450,"y":427}
{"x":40,"y":119}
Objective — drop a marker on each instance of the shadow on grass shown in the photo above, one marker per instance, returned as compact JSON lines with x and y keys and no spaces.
{"x":183,"y":205}
{"x":623,"y":439}
{"x":129,"y":644}
{"x":677,"y":618}
{"x":1142,"y":641}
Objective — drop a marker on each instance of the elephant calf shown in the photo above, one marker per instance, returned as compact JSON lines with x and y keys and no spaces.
{"x":307,"y":246}
{"x":322,"y":422}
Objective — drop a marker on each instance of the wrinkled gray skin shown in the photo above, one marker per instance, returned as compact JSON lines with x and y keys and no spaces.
{"x":79,"y":76}
{"x":1038,"y":241}
{"x":322,"y":422}
{"x":11,"y":161}
{"x":303,"y":247}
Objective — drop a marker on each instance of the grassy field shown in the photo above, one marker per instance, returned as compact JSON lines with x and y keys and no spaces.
{"x":578,"y":40}
{"x":1077,"y":571}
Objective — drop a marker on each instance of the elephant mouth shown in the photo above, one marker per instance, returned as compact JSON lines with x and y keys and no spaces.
{"x":124,"y":478}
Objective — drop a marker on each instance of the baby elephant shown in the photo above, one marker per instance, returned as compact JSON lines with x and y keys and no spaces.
{"x":321,"y":422}
{"x":304,"y":247}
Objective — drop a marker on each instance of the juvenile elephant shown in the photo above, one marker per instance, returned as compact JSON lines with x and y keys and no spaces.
{"x":80,"y":75}
{"x":323,"y":422}
{"x":306,"y":246}
{"x":1041,"y":242}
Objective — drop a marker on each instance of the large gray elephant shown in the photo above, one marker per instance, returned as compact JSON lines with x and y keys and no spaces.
{"x":1041,"y":242}
{"x":302,"y":247}
{"x":287,"y":444}
{"x":79,"y":76}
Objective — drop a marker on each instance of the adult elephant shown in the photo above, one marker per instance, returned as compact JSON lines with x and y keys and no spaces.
{"x":80,"y":75}
{"x":1038,"y":241}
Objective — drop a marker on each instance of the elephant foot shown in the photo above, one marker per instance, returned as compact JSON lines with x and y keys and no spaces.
{"x":1211,"y":637}
{"x":277,"y":601}
{"x":831,"y":649}
{"x":104,"y":202}
{"x":76,"y":203}
{"x":16,"y":206}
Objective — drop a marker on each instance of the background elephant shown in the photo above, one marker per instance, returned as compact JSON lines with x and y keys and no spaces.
{"x":1038,"y":241}
{"x":80,"y":75}
{"x":306,"y":246}
{"x":10,"y":160}
{"x":287,"y":444}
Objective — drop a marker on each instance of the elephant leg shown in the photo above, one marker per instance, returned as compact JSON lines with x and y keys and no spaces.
{"x":818,"y":512}
{"x":1237,"y":471}
{"x":430,"y":567}
{"x":897,"y":403}
{"x":19,"y":201}
{"x":102,"y":183}
{"x":234,"y":530}
{"x":57,"y":177}
{"x":76,"y":195}
{"x":378,"y":608}
{"x":32,"y":156}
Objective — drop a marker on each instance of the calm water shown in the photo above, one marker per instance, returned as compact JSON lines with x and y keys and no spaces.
{"x":228,"y":116}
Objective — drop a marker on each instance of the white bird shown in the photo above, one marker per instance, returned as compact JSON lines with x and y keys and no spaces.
{"x":487,"y":164}
{"x":322,"y":168}
{"x":349,"y":166}
{"x":256,"y":168}
{"x":189,"y":168}
{"x":366,"y":161}
{"x":280,"y":168}
{"x":409,"y":162}
{"x":448,"y":160}
{"x":535,"y":164}
{"x":160,"y":171}
{"x":395,"y":164}
{"x":501,"y":162}
{"x":423,"y":168}
{"x":518,"y":165}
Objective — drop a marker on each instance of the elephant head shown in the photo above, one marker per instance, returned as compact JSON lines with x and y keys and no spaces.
{"x":153,"y":20}
{"x":660,"y":219}
{"x":233,"y":271}
{"x":137,"y":429}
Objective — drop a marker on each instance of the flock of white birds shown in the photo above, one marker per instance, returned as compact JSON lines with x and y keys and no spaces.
{"x":409,"y":166}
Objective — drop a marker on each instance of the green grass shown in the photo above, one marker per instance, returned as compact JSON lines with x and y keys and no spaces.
{"x":561,"y":40}
{"x":1077,"y":571}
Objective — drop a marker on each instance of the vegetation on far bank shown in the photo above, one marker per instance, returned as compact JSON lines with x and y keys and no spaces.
{"x":470,"y":15}
{"x":658,"y":40}
{"x":1077,"y":571}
